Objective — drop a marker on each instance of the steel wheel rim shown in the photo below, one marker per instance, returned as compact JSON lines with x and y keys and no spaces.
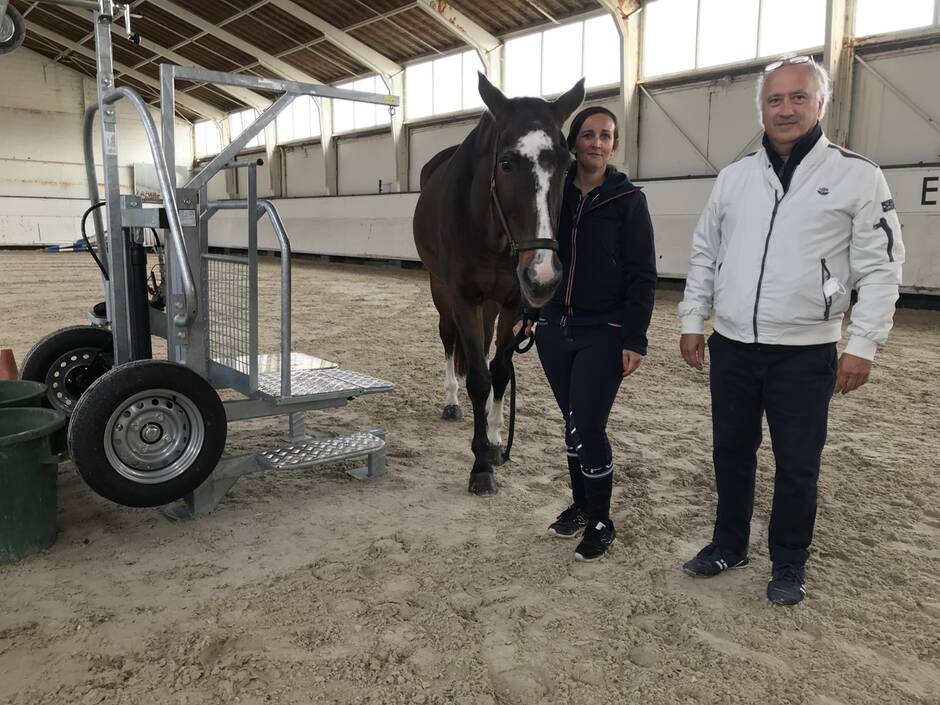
{"x":154,"y":436}
{"x":7,"y":28}
{"x":64,"y":367}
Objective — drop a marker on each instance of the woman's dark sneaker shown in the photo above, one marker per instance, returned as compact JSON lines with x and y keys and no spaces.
{"x":597,"y":539}
{"x":569,"y":523}
{"x":788,"y":585}
{"x":711,"y":561}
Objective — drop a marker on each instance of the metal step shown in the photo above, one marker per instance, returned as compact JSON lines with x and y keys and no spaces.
{"x":321,"y":451}
{"x":314,"y":384}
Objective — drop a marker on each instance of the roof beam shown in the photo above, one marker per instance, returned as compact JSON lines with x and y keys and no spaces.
{"x":242,"y":95}
{"x":621,"y":8}
{"x":190,"y":102}
{"x":486,"y":45}
{"x":269,"y":60}
{"x":364,"y":54}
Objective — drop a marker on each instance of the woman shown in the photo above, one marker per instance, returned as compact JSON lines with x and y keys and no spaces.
{"x":592,"y":333}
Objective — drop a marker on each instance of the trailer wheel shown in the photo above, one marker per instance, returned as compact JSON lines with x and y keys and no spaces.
{"x":12,"y":30}
{"x":67,"y":362}
{"x":147,"y":433}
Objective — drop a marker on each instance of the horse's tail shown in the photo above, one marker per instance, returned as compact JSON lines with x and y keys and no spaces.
{"x":460,"y":359}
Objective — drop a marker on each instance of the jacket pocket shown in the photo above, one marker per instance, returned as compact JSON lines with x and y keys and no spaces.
{"x":827,"y":298}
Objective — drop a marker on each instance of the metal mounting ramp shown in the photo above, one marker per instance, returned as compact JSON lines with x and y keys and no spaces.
{"x":321,"y":451}
{"x":314,"y":384}
{"x":207,"y":496}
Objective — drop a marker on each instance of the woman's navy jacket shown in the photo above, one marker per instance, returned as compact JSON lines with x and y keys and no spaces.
{"x":605,"y":242}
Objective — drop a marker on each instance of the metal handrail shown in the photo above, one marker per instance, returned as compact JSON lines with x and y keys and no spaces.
{"x":167,"y":186}
{"x":284,"y":242}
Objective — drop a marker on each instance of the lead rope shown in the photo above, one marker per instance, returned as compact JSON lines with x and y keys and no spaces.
{"x":519,"y":348}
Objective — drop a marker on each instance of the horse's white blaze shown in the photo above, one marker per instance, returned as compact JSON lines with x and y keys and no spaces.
{"x":531,"y":147}
{"x":494,"y":420}
{"x":450,"y":382}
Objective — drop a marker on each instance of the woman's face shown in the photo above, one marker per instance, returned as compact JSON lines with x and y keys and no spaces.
{"x":595,"y":142}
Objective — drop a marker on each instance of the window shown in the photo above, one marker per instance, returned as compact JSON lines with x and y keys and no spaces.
{"x":208,"y":138}
{"x":237,"y":122}
{"x":354,"y":115}
{"x":444,"y":85}
{"x":683,"y":35}
{"x":524,"y":65}
{"x":877,"y":16}
{"x":298,"y":121}
{"x":549,"y":62}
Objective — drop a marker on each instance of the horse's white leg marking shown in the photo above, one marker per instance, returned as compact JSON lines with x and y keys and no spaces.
{"x":450,"y":382}
{"x":494,"y":420}
{"x":531,"y":147}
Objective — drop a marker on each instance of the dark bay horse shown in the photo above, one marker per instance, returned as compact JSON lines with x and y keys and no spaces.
{"x":485,"y":227}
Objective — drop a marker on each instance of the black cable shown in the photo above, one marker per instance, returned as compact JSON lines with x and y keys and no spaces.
{"x":104,"y":272}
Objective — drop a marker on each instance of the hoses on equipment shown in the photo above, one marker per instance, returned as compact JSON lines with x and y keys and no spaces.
{"x":104,"y":272}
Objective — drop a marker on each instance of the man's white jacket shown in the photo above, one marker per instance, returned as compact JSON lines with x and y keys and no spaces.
{"x":778,"y":268}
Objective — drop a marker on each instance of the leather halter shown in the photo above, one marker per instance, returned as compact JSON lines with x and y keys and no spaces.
{"x":539,"y":243}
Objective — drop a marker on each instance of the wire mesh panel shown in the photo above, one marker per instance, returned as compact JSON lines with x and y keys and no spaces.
{"x":229,"y":312}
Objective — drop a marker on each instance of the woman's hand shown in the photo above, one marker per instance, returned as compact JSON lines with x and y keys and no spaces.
{"x":631,"y":360}
{"x":518,"y":326}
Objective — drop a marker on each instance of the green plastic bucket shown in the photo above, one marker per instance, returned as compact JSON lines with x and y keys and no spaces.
{"x":20,"y":392}
{"x":27,"y":481}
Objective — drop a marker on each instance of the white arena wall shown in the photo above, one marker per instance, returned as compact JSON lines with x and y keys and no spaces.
{"x":379,"y":226}
{"x":43,"y":190}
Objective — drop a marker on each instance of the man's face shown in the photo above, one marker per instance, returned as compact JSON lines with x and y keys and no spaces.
{"x":790,"y":105}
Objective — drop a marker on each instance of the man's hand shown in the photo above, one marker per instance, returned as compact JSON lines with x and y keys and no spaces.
{"x":631,"y":360}
{"x":852,"y":373}
{"x":692,"y":347}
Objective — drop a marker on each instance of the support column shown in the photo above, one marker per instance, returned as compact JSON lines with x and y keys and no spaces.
{"x":273,"y":159}
{"x":627,"y":18}
{"x":396,"y":86}
{"x":325,"y":106}
{"x":839,"y":61}
{"x":231,"y":175}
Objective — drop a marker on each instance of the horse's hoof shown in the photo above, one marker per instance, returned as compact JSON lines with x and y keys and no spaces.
{"x":482,"y":484}
{"x":452,"y":412}
{"x":497,"y":455}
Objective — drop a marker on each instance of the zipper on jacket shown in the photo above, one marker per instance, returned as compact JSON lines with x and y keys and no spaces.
{"x":763,"y":262}
{"x":826,"y":276}
{"x":569,"y":287}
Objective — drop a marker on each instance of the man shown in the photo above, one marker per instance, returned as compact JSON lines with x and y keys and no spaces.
{"x":786,"y":235}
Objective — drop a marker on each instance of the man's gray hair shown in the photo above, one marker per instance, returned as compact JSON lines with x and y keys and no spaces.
{"x":823,"y":86}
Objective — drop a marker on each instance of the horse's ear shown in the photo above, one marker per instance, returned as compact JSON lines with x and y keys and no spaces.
{"x":568,"y":102}
{"x":492,"y":97}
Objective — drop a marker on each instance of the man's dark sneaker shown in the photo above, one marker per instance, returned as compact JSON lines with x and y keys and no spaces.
{"x":569,"y":523}
{"x":597,"y":539}
{"x":788,"y":585}
{"x":711,"y":561}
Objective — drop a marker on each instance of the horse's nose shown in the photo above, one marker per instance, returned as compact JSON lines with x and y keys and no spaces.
{"x":545,"y":269}
{"x":541,"y":277}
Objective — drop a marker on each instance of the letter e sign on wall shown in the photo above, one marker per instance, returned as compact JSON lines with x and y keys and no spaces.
{"x":929,"y":191}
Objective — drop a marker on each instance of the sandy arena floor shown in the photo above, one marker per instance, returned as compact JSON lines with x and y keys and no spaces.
{"x":309,"y":587}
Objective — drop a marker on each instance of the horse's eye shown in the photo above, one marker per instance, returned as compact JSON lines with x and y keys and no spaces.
{"x":505,"y":165}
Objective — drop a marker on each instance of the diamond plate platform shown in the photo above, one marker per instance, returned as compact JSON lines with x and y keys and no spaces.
{"x":323,"y":383}
{"x":321,"y":451}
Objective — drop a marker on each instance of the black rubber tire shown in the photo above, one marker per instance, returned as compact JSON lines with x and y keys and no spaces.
{"x":37,"y":365}
{"x":108,"y":394}
{"x":19,"y":31}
